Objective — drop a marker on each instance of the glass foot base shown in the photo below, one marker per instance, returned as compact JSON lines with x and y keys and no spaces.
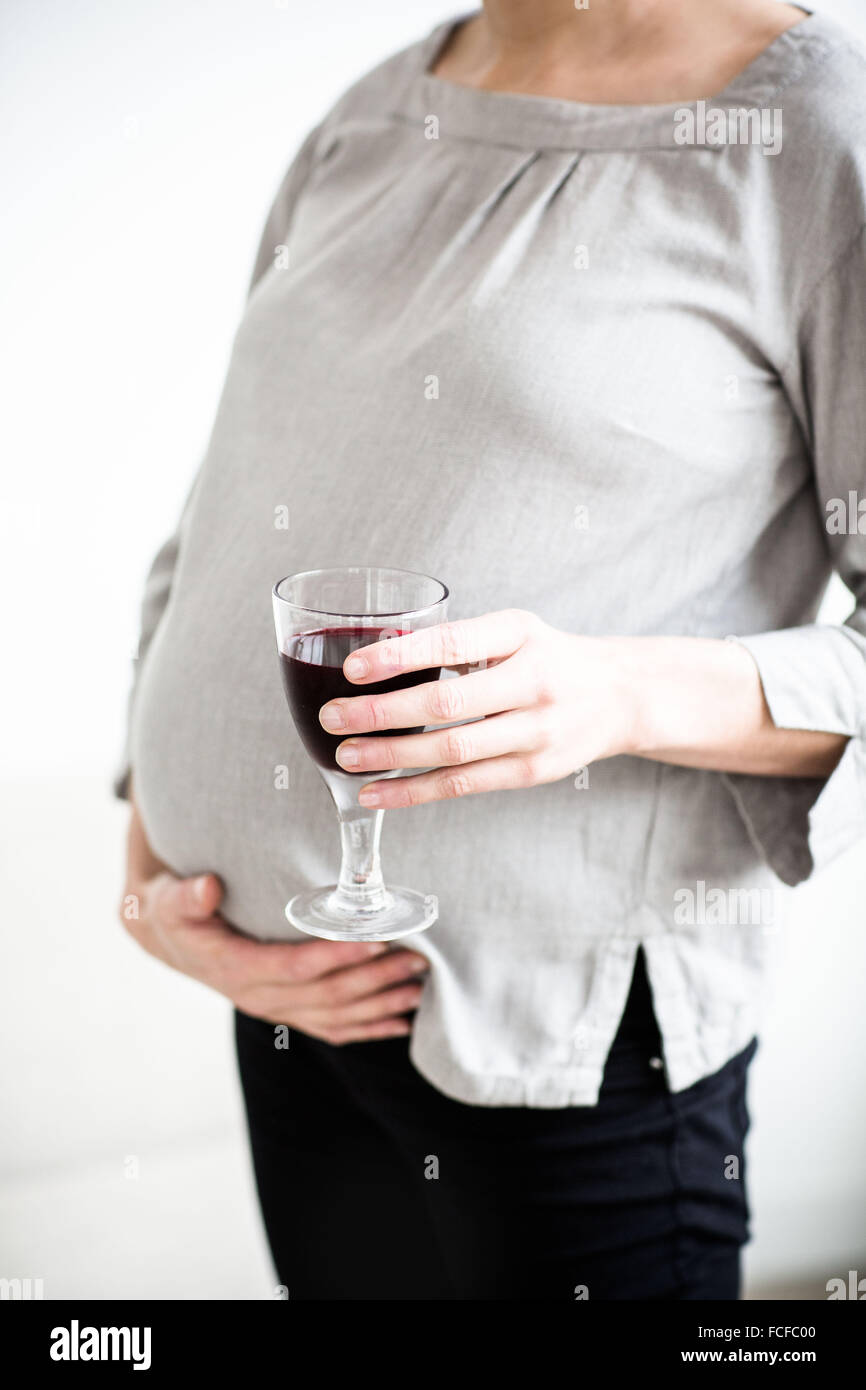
{"x":405,"y":911}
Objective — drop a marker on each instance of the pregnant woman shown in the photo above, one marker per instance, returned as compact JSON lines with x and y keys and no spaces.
{"x":567,"y":307}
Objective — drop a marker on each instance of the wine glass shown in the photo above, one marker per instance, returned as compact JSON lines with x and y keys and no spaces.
{"x":320,"y":617}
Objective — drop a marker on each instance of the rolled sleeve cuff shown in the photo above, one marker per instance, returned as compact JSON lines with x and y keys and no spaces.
{"x":814,"y":678}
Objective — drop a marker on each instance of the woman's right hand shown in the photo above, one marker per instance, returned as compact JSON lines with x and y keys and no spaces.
{"x":339,"y":991}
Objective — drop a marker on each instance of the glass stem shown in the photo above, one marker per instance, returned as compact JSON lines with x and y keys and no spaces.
{"x":361,"y":887}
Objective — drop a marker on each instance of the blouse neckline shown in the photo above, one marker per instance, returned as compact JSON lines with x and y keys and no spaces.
{"x":530,"y":122}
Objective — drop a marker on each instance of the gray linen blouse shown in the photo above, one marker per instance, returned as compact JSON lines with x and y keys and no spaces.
{"x":564,"y":357}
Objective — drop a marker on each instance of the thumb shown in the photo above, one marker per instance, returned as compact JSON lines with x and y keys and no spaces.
{"x":199,"y":897}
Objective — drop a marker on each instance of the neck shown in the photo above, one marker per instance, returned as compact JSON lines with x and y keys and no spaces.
{"x":615,"y":50}
{"x":605,"y":27}
{"x":609,"y":26}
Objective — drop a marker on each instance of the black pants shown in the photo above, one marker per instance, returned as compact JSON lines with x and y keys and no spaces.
{"x":374,"y":1185}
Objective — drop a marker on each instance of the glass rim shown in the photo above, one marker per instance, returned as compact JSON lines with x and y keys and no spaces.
{"x":359,"y":569}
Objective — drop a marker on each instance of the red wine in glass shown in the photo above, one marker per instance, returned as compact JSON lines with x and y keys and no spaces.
{"x":312,"y":672}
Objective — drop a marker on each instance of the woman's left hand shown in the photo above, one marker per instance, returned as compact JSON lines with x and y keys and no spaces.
{"x":546,"y":704}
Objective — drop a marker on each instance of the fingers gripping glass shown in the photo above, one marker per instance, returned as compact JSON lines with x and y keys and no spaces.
{"x":321,"y":616}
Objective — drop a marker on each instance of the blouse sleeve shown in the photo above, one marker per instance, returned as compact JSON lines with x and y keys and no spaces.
{"x":157,"y":586}
{"x":814,"y":677}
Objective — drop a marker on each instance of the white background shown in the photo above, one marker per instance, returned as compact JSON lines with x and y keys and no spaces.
{"x":142,"y":145}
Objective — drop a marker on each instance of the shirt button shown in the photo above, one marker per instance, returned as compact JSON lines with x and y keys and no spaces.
{"x":656,"y":1063}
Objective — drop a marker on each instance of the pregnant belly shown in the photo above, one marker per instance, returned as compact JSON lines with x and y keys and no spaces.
{"x":221,"y":780}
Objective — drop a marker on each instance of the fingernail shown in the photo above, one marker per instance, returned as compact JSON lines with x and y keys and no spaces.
{"x":369,"y":798}
{"x":377,"y":948}
{"x":200,"y":888}
{"x":419,"y":966}
{"x":348,"y":755}
{"x":356,"y":666}
{"x":332,"y":716}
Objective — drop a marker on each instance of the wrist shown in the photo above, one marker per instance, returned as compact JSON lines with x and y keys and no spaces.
{"x":683,"y":695}
{"x":627,"y":683}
